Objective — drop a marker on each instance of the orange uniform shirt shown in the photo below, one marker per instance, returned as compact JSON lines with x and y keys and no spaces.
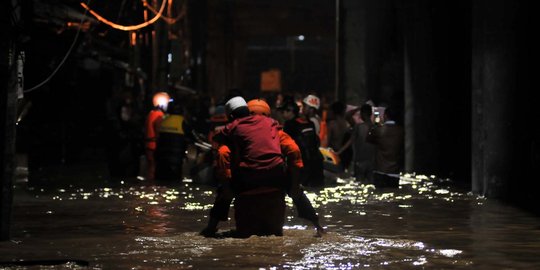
{"x":153,"y":121}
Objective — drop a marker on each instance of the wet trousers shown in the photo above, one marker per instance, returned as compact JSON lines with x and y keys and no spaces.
{"x":304,"y":208}
{"x":382,"y":180}
{"x":312,"y":174}
{"x":220,"y":209}
{"x":151,"y":164}
{"x":260,"y":214}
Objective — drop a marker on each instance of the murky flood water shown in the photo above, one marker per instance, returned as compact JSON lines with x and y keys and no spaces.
{"x":423,"y":224}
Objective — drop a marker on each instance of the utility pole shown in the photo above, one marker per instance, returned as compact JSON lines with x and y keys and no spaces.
{"x":338,"y":94}
{"x":160,"y":45}
{"x":8,"y":115}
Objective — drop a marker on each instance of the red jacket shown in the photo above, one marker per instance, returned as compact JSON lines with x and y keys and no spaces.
{"x":288,"y":149}
{"x":254,"y":141}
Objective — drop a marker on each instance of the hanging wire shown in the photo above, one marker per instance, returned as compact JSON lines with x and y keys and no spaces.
{"x":113,"y":25}
{"x":126,"y":27}
{"x":169,"y":20}
{"x":65,"y":57}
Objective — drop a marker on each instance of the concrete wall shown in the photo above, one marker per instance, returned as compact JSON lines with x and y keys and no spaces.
{"x":505,"y":143}
{"x":463,"y":72}
{"x":371,"y":54}
{"x":437,"y":47}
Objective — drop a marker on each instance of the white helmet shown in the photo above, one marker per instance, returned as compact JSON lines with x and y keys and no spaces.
{"x":234,"y":103}
{"x":312,"y":101}
{"x":161,"y":100}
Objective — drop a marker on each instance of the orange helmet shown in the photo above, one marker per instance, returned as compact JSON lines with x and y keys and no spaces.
{"x":259,"y":106}
{"x":161,"y":99}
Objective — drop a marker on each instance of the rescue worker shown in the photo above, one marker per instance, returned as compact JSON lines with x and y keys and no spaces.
{"x":293,"y":156}
{"x":255,"y":174}
{"x":153,"y":121}
{"x":310,"y":108}
{"x":290,"y":150}
{"x":302,"y":130}
{"x":171,"y":145}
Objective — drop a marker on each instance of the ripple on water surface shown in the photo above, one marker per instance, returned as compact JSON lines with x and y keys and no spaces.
{"x":423,"y":223}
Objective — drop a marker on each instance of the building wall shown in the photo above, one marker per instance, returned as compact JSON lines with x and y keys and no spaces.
{"x":462,"y":70}
{"x":415,"y":56}
{"x":505,"y":144}
{"x":248,"y":37}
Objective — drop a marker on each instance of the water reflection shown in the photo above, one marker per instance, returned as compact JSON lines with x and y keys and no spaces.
{"x":423,"y":224}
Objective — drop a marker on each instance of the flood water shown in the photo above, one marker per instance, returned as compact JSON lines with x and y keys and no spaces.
{"x":425,"y":224}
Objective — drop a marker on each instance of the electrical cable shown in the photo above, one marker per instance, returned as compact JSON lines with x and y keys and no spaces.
{"x":169,"y":20}
{"x":126,"y":27}
{"x":100,"y":18}
{"x":63,"y":60}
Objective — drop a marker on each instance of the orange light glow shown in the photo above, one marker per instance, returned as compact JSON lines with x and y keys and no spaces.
{"x":169,"y":20}
{"x":133,"y":38}
{"x":126,"y":27}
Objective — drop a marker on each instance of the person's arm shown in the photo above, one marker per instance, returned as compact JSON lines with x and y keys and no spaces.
{"x":352,"y":138}
{"x":290,"y":149}
{"x":330,"y":132}
{"x":156,"y":125}
{"x":346,"y":145}
{"x":223,"y":165}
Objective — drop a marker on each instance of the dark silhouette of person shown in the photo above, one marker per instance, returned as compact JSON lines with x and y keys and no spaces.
{"x":171,"y":145}
{"x":302,"y":130}
{"x":388,"y":140}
